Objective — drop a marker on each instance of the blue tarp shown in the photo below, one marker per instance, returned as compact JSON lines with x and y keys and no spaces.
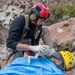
{"x":39,"y":66}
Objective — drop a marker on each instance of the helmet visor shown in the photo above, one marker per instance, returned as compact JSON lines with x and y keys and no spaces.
{"x":58,"y":60}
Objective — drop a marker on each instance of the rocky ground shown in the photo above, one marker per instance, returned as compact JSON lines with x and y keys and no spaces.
{"x":62,"y":32}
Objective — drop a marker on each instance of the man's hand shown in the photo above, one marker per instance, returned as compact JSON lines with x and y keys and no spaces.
{"x":47,"y":51}
{"x":42,"y":50}
{"x":38,"y":48}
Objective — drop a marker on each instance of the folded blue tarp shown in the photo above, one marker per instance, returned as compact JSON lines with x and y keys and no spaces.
{"x":39,"y":66}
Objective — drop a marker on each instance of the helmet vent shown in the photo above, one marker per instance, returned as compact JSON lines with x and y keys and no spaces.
{"x":70,"y":62}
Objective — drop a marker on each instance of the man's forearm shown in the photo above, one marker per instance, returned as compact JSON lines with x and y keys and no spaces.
{"x":22,"y":47}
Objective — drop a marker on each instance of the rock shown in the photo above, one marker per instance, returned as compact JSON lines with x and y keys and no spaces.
{"x":73,"y":29}
{"x":73,"y":44}
{"x":3,"y":60}
{"x":3,"y":56}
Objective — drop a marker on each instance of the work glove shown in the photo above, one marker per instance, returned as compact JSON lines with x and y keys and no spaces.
{"x":50,"y":53}
{"x":42,"y":50}
{"x":47,"y":51}
{"x":38,"y":48}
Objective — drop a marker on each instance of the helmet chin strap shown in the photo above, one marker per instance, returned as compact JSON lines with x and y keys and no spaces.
{"x":35,"y":21}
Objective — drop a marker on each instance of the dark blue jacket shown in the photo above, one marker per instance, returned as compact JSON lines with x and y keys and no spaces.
{"x":16,"y":31}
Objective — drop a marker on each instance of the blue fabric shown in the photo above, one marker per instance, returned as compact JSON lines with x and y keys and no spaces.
{"x":39,"y":66}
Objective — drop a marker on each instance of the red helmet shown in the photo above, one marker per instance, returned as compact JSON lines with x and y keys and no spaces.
{"x":40,"y":10}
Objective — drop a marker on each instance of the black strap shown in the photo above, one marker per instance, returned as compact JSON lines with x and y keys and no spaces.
{"x":38,"y":38}
{"x":11,"y":54}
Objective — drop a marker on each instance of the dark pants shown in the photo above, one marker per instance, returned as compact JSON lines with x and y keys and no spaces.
{"x":18,"y":54}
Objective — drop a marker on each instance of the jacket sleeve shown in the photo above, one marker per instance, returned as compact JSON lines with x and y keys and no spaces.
{"x":15,"y":32}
